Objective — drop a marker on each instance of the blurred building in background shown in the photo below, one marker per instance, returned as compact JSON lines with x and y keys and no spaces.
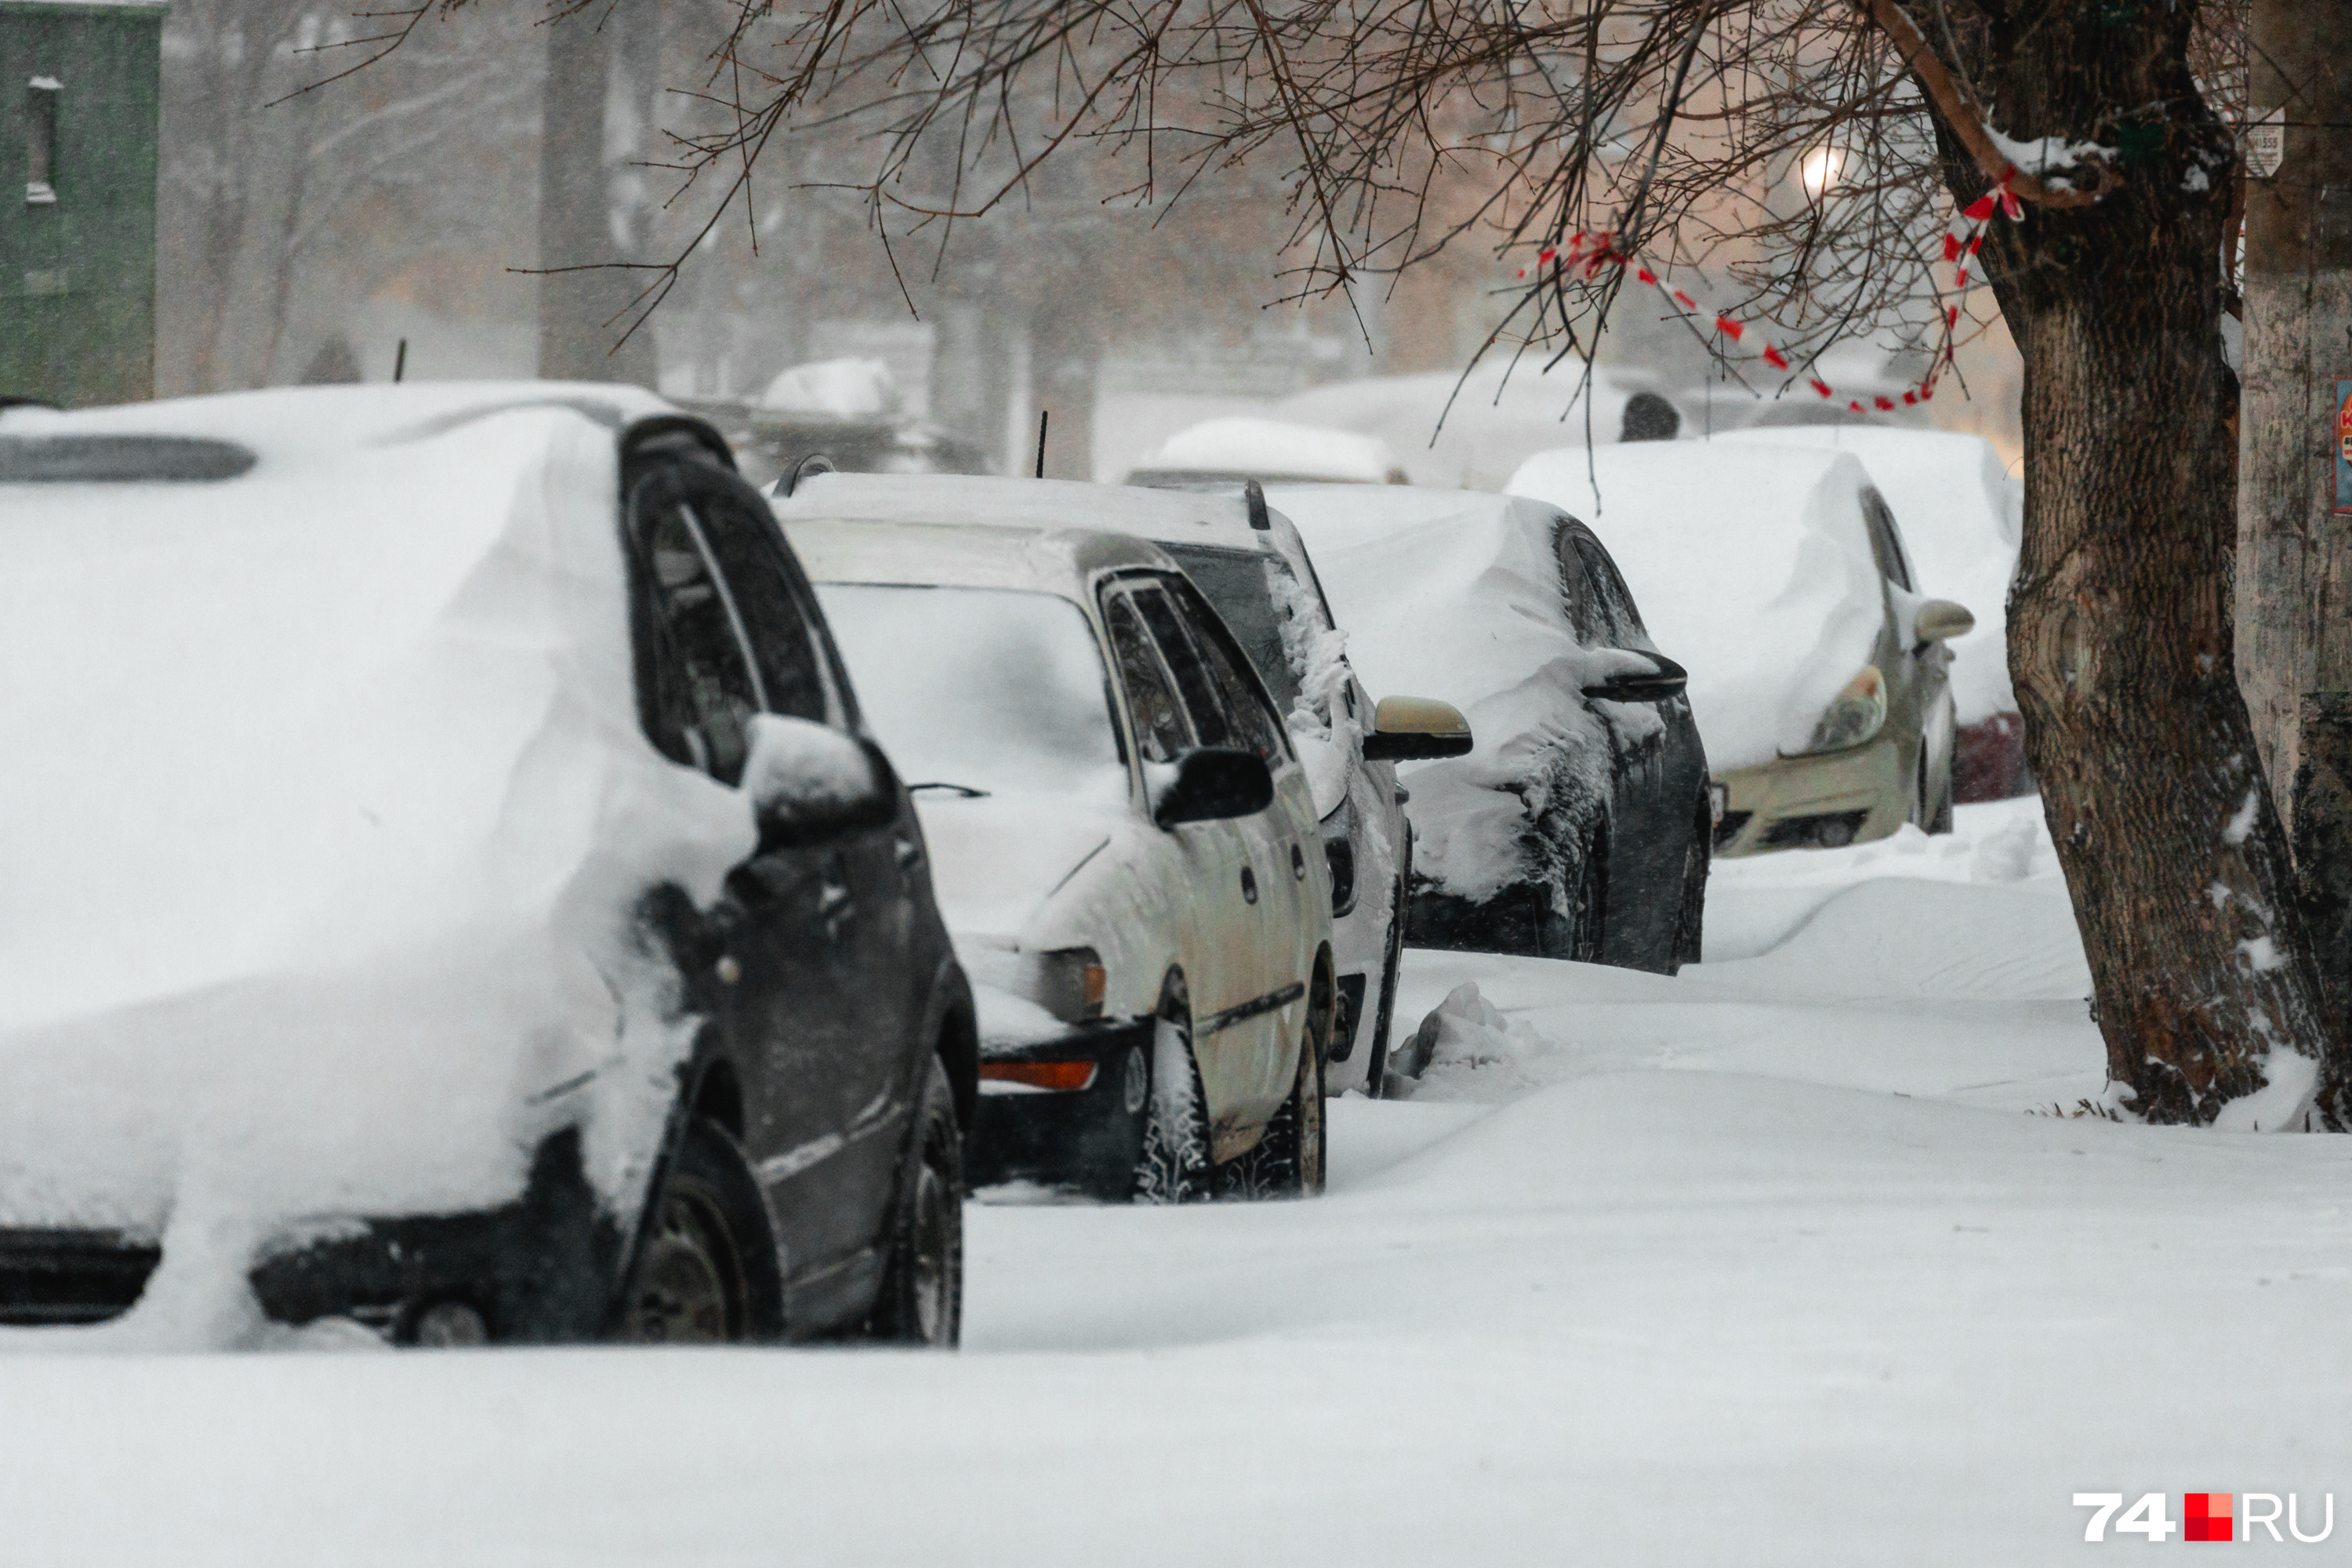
{"x":418,"y":199}
{"x":78,"y":116}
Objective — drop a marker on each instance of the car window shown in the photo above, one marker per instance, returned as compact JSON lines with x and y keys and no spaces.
{"x":705,"y":688}
{"x":1161,"y":732}
{"x":775,"y":618}
{"x":1255,"y":723}
{"x":1214,"y":722}
{"x":1886,"y":541}
{"x":994,"y":690}
{"x":1576,"y":591}
{"x":1609,"y":593}
{"x":1239,"y":582}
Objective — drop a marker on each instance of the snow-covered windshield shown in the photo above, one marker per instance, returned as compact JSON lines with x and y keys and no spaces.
{"x":980,"y":690}
{"x":1240,"y":584}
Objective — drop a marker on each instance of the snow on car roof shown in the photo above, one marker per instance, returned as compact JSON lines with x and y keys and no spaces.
{"x":958,"y":499}
{"x":1750,"y":566}
{"x":1272,"y":449}
{"x":887,"y":550}
{"x":1953,"y":501}
{"x":328,"y":804}
{"x":311,"y":423}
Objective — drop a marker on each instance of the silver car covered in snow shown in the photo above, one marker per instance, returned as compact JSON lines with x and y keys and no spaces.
{"x":1123,"y":837}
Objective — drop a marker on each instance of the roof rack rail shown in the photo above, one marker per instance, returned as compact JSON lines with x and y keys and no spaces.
{"x":1254,"y":497}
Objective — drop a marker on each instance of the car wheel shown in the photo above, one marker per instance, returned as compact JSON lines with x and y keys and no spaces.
{"x":706,"y":1272}
{"x":921,"y":1299}
{"x":1376,"y":1072}
{"x":1588,"y":912}
{"x":1288,"y":1161}
{"x":1174,"y":1167}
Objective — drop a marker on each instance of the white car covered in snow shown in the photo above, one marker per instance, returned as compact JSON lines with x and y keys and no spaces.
{"x":1817,"y":655}
{"x":448,"y":889}
{"x":1250,"y":562}
{"x":1124,"y":839}
{"x":1961,"y":515}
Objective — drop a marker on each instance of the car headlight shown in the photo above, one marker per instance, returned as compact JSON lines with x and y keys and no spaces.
{"x":1068,"y":982}
{"x":1855,"y":715}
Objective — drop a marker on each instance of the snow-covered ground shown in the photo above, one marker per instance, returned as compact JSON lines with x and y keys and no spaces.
{"x":1775,"y":1263}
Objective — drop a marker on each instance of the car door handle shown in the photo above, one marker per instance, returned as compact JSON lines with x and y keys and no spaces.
{"x":910,"y":854}
{"x":1249,"y":884}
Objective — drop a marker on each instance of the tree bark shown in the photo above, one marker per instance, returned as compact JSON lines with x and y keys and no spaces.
{"x":2120,"y":619}
{"x":582,"y":315}
{"x":2295,"y":604}
{"x":2296,"y":636}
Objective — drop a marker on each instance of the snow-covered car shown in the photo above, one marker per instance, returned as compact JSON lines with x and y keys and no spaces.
{"x":1250,"y":564}
{"x":1236,"y":447}
{"x":1123,"y":839}
{"x":1817,"y":664}
{"x":1960,"y":513}
{"x":456,"y":892}
{"x":1577,"y":825}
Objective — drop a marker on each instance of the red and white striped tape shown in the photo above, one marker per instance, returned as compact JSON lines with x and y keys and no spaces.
{"x":1593,"y":251}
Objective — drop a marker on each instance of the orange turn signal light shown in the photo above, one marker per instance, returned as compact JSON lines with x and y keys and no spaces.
{"x":1042,"y":1075}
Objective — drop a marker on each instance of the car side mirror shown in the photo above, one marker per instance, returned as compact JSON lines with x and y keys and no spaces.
{"x":1415,"y":728}
{"x":1662,"y":679}
{"x":811,"y":784}
{"x":1211,"y":785}
{"x":1940,"y":620}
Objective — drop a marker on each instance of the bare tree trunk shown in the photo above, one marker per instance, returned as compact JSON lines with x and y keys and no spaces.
{"x":582,"y":315}
{"x":2294,"y":585}
{"x":2120,"y":631}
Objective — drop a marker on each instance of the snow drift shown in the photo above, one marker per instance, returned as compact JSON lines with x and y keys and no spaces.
{"x":328,"y":818}
{"x":1751,"y":567}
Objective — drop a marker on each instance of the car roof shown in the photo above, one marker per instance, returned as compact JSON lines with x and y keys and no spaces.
{"x":1049,"y":560}
{"x":1218,"y":517}
{"x":291,"y":425}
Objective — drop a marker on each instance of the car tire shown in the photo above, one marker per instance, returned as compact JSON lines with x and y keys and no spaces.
{"x":706,"y":1270}
{"x":1589,"y":909}
{"x":1376,"y":1070}
{"x":1174,"y":1167}
{"x":921,"y":1298}
{"x":1289,"y":1160}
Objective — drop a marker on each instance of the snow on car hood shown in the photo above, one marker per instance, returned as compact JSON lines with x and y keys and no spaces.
{"x":1750,"y":567}
{"x":1954,"y":503}
{"x":328,"y":814}
{"x":1455,"y":596}
{"x":995,"y":860}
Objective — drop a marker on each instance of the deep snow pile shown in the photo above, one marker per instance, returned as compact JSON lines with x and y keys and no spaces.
{"x":1751,"y":567}
{"x":1770,"y":1281}
{"x":328,"y":812}
{"x":1457,"y":596}
{"x":1959,"y":514}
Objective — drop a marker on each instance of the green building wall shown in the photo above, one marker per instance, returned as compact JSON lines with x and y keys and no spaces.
{"x":77,"y":277}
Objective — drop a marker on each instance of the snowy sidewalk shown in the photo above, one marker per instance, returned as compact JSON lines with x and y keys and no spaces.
{"x":1770,"y":1265}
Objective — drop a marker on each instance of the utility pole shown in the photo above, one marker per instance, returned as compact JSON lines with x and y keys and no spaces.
{"x":2294,"y":606}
